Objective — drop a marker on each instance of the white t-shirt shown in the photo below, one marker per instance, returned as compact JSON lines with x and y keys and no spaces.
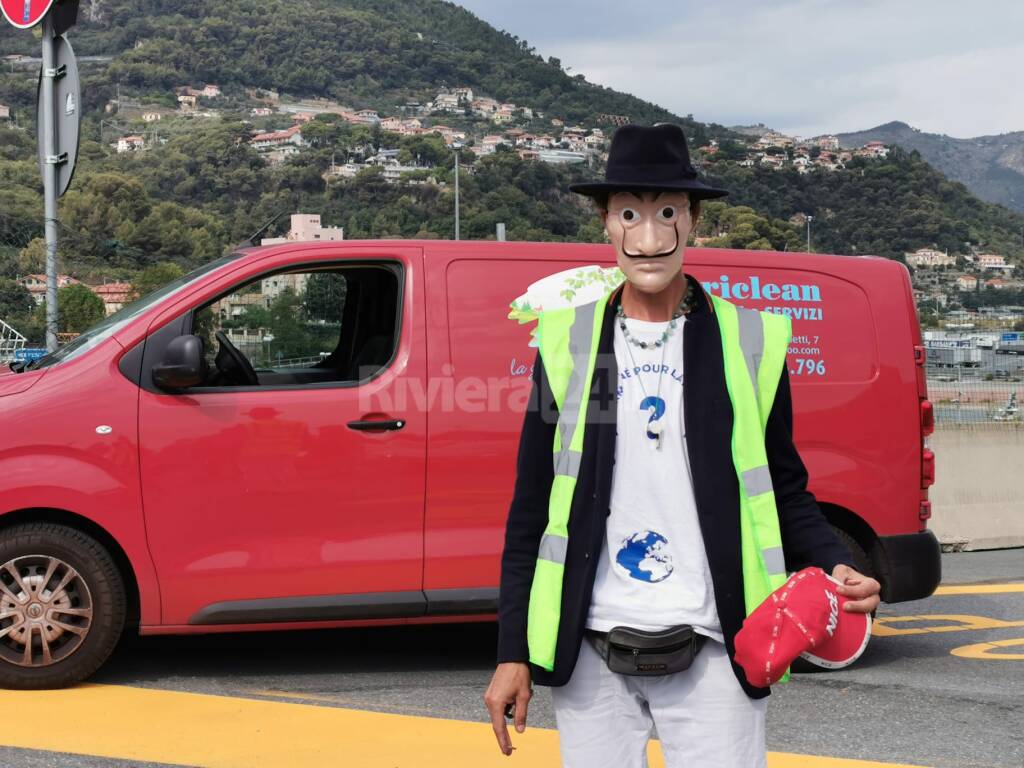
{"x":653,"y":570}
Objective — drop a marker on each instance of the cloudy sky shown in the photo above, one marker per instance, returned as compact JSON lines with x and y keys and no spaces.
{"x":805,"y":67}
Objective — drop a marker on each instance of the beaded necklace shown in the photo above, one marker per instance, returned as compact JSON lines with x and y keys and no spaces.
{"x":686,"y":306}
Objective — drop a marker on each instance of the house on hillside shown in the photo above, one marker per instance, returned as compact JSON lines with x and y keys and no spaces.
{"x":561,"y":157}
{"x":450,"y":135}
{"x":114,"y":295}
{"x":306,"y":228}
{"x":446,"y":102}
{"x":876,"y":149}
{"x":775,"y":139}
{"x":929,"y":257}
{"x":36,"y":285}
{"x":130,"y":144}
{"x":967,"y":282}
{"x":278,"y":139}
{"x":505,"y":113}
{"x":993,"y":261}
{"x":483,"y":106}
{"x":489,"y":144}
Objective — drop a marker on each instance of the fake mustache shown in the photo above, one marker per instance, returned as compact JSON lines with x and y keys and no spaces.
{"x":669,"y":252}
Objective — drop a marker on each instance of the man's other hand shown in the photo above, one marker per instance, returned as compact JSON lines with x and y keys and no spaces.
{"x":861,"y":591}
{"x":510,"y":686}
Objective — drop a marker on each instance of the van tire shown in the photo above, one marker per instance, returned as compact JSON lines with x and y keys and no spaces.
{"x":83,"y":579}
{"x":862,"y":563}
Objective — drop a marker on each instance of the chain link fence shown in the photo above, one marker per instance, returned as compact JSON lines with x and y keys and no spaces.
{"x":978,"y":383}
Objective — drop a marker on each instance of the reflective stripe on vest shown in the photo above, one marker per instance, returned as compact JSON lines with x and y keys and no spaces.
{"x":752,"y":378}
{"x":754,"y":350}
{"x":568,"y":347}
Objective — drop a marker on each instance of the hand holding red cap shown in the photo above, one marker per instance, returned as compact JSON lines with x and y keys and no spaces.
{"x":807,"y":617}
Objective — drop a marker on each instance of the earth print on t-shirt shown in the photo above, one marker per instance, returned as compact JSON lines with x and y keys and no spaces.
{"x":644,"y":558}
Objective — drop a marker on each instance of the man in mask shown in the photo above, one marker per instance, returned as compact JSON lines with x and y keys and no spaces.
{"x":659,"y":497}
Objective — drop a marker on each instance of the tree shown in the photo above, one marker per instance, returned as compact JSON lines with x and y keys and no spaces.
{"x":324,"y":299}
{"x":78,"y":309}
{"x":15,"y":300}
{"x":155,"y":277}
{"x":32,"y":258}
{"x":292,"y":338}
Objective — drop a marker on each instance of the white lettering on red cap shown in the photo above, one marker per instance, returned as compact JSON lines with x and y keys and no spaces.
{"x":833,"y":612}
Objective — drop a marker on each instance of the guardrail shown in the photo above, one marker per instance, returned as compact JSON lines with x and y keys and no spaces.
{"x":10,"y":341}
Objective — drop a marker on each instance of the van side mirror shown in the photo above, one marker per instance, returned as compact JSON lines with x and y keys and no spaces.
{"x":183,"y":365}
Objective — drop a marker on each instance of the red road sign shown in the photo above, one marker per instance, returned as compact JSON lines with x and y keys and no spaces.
{"x":25,"y":13}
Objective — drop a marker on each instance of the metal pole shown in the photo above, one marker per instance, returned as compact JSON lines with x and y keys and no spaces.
{"x":49,"y":180}
{"x":809,"y":218}
{"x":456,"y":194}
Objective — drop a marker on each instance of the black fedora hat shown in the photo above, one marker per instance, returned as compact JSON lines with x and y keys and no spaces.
{"x":651,"y":158}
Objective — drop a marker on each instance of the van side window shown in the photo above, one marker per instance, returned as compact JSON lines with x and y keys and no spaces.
{"x":301,"y":328}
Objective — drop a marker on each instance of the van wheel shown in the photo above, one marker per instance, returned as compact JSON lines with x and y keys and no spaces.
{"x":862,"y":563}
{"x":62,"y":606}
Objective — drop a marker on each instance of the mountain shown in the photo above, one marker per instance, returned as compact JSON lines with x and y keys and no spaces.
{"x":200,"y":185}
{"x":992,"y":167}
{"x":376,"y":54}
{"x":883,"y":206}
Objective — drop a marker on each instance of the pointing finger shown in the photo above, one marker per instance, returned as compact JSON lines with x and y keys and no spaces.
{"x":500,"y":729}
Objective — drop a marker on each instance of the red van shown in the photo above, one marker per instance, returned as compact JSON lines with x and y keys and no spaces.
{"x":324,"y":434}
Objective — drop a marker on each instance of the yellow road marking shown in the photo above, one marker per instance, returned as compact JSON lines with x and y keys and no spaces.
{"x":986,"y":651}
{"x":883,"y":625}
{"x":225,"y":732}
{"x":978,"y":589}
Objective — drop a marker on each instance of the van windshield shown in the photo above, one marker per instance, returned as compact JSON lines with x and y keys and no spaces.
{"x":107,"y":327}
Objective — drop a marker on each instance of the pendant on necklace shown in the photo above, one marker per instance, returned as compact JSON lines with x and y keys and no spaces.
{"x":656,"y":428}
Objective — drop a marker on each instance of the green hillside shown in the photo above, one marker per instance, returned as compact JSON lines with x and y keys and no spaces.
{"x":366,"y":53}
{"x":200,"y":187}
{"x":885,"y":207}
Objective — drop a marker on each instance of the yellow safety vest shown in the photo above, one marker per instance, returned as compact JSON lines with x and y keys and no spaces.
{"x":754,"y":348}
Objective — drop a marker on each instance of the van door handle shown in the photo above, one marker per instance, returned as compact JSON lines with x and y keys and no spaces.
{"x":364,"y":425}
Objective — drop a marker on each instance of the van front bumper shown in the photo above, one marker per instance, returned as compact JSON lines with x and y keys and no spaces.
{"x":910,"y":566}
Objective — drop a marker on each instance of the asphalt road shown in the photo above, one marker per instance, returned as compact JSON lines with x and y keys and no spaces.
{"x":928,"y":691}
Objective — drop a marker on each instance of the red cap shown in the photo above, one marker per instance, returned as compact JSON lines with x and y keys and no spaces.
{"x":803,"y":617}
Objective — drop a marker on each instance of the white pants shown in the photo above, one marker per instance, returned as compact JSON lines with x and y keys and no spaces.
{"x":703,"y":717}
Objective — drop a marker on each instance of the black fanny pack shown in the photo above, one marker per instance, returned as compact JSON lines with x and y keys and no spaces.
{"x":639,"y":652}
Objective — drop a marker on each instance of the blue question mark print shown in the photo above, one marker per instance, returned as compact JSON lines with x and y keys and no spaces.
{"x":657,"y":408}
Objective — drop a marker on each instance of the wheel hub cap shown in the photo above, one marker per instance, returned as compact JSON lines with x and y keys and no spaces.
{"x":45,"y":611}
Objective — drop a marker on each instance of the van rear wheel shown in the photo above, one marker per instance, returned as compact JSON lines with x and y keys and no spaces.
{"x":62,"y":606}
{"x":861,"y":561}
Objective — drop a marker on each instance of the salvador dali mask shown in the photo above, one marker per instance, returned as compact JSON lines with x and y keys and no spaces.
{"x":649,"y":232}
